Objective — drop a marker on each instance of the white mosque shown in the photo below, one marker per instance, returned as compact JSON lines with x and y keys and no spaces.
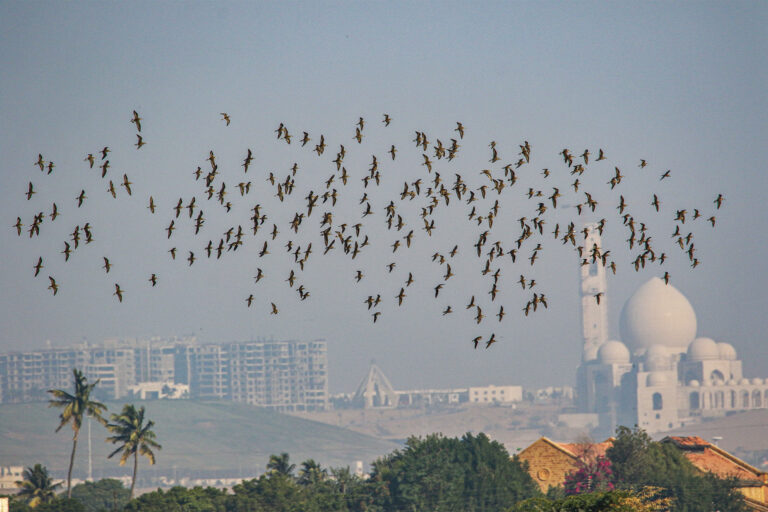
{"x":660,"y":375}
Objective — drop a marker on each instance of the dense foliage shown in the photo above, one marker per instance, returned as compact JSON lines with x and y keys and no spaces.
{"x":437,"y":473}
{"x":637,"y":461}
{"x":106,"y":494}
{"x":647,"y":500}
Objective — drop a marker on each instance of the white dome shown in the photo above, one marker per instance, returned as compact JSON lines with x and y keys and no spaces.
{"x":613,"y":352}
{"x":727,"y":351}
{"x":757,"y":381}
{"x":656,"y":379}
{"x":657,"y":313}
{"x":744,"y":382}
{"x":656,"y":358}
{"x":694,"y":383}
{"x":703,"y":349}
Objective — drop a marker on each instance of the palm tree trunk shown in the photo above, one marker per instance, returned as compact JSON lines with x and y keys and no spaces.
{"x":135,"y":469}
{"x":71,"y":464}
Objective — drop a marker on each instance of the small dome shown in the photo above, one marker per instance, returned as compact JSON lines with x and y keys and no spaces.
{"x":613,"y":352}
{"x":703,"y":349}
{"x":694,"y":383}
{"x":657,"y":313}
{"x":744,"y":382}
{"x":656,"y":379}
{"x":757,"y":381}
{"x":732,"y":382}
{"x":727,"y":351}
{"x":657,"y":358}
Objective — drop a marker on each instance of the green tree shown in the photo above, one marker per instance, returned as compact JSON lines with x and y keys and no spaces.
{"x":181,"y":499}
{"x":280,"y":464}
{"x":638,"y":461}
{"x":106,"y":494}
{"x":37,"y":487}
{"x":74,"y":407}
{"x":311,"y":473}
{"x":134,"y":436}
{"x":471,"y":474}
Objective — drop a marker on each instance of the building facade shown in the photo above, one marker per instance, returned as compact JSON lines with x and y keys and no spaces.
{"x":660,"y":375}
{"x":286,"y":376}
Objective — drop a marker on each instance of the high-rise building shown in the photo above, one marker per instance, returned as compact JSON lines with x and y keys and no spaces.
{"x":286,"y":376}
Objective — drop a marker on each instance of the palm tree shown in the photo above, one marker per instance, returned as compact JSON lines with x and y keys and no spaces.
{"x":37,"y":487}
{"x":135,"y":438}
{"x":279,"y":464}
{"x":311,"y":473}
{"x":75,"y":406}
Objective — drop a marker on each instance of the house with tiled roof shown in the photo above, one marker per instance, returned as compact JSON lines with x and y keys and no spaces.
{"x":708,"y":458}
{"x":549,"y":462}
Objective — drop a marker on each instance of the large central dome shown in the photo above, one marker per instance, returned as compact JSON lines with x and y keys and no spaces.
{"x":657,"y":314}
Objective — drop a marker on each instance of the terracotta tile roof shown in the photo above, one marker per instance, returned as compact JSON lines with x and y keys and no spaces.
{"x":708,"y":457}
{"x":596,"y":449}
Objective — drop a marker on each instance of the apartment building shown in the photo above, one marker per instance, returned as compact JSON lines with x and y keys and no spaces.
{"x":285,"y":376}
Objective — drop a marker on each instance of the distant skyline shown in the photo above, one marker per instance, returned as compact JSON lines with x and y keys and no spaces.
{"x":681,"y":86}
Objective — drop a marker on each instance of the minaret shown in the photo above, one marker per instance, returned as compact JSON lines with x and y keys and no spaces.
{"x":594,"y":316}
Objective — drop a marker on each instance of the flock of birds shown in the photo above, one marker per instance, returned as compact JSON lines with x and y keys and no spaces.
{"x":408,"y":217}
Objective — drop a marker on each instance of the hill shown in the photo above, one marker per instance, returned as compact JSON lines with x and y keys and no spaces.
{"x":198,"y":438}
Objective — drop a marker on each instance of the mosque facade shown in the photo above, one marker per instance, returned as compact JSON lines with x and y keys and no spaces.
{"x":660,"y":375}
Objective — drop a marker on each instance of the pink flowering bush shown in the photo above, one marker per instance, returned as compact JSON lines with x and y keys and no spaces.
{"x":591,"y":476}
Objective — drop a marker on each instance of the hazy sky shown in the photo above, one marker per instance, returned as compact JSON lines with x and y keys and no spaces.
{"x":681,"y":85}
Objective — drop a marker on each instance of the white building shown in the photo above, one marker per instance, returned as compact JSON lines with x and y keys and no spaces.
{"x":660,"y":375}
{"x":495,"y":394}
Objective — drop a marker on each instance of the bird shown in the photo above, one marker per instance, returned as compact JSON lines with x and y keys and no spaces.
{"x":491,"y":340}
{"x":38,"y":265}
{"x":89,"y":159}
{"x":274,"y":309}
{"x":80,"y":198}
{"x":107,"y":266}
{"x":18,"y":226}
{"x":151,"y":204}
{"x":153,"y":279}
{"x":136,"y":120}
{"x":225,"y":117}
{"x":597,"y":297}
{"x":53,"y":286}
{"x":719,"y":200}
{"x":376,"y":316}
{"x":118,"y":293}
{"x":30,"y":191}
{"x":67,"y":251}
{"x":140,"y":142}
{"x":40,"y":162}
{"x":459,"y":128}
{"x":127,"y":184}
{"x":249,"y":300}
{"x":387,"y":120}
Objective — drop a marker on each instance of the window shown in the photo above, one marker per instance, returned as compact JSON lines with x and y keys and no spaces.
{"x":657,"y":402}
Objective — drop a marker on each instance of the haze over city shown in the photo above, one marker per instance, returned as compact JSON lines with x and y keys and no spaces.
{"x":680,"y":86}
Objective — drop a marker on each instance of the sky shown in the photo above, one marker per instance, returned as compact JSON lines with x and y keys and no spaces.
{"x":681,"y":86}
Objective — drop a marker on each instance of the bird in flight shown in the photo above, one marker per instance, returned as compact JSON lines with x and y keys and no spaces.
{"x":225,"y":117}
{"x":53,"y":286}
{"x":137,"y":121}
{"x":118,"y":293}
